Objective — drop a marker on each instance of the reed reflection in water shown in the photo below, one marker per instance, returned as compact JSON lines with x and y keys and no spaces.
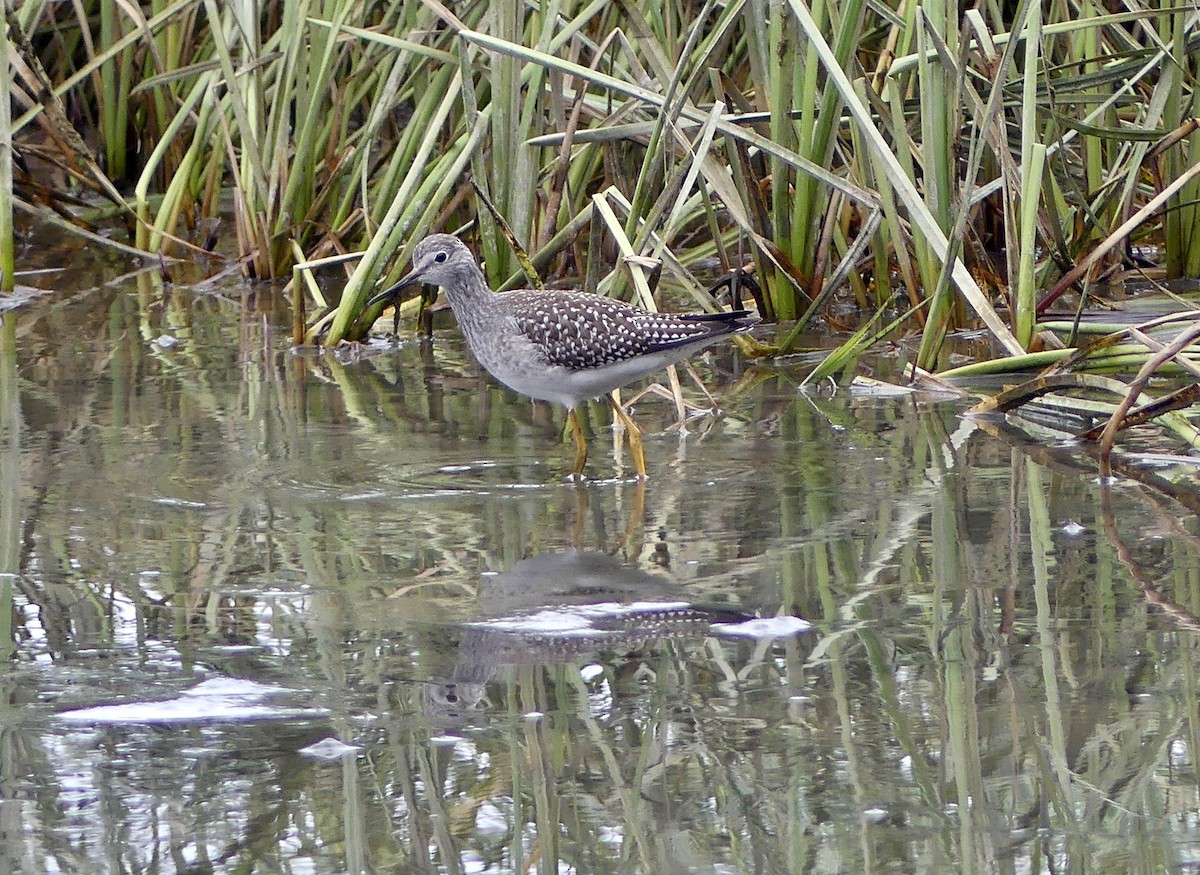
{"x":1000,"y":676}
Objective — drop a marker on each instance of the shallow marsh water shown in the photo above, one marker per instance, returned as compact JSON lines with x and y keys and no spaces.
{"x":226,"y":560}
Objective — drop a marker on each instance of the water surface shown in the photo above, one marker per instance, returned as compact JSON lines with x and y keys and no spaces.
{"x":279,"y":612}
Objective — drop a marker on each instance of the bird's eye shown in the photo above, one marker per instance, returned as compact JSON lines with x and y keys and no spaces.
{"x":440,"y":257}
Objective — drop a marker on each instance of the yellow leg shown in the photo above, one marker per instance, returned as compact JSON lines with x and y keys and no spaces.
{"x":581,"y":447}
{"x":635,"y":437}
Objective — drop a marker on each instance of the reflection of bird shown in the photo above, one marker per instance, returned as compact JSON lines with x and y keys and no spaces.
{"x":561,"y":346}
{"x":571,"y":578}
{"x":559,"y":606}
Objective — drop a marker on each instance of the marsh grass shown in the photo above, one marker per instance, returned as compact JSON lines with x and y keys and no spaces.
{"x":7,"y":256}
{"x":939,"y":165}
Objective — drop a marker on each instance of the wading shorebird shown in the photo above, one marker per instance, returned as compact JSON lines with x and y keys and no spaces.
{"x":562,"y":346}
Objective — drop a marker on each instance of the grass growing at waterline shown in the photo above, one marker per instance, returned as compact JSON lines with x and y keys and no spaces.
{"x":945,"y":161}
{"x":7,"y":258}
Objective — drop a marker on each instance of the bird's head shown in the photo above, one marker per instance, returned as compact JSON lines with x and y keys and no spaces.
{"x":436,"y":261}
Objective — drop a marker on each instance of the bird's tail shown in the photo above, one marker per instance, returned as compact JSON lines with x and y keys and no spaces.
{"x":732,"y":321}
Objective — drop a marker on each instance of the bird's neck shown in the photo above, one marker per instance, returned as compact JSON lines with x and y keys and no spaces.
{"x":468,"y":293}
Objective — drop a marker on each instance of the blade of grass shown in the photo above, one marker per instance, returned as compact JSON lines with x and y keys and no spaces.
{"x":1033,"y":157}
{"x":1025,"y":299}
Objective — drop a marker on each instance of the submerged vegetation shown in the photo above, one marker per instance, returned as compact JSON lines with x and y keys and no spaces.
{"x":939,"y":165}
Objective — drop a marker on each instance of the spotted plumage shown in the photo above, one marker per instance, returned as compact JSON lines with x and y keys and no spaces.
{"x":561,"y":346}
{"x":581,"y":331}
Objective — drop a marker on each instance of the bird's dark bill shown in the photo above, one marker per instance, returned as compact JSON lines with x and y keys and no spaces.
{"x":409,"y":279}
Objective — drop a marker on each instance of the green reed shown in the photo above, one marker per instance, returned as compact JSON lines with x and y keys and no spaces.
{"x":7,"y":254}
{"x":983,"y":149}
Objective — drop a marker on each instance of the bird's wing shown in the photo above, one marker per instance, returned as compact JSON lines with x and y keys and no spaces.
{"x":580,"y":331}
